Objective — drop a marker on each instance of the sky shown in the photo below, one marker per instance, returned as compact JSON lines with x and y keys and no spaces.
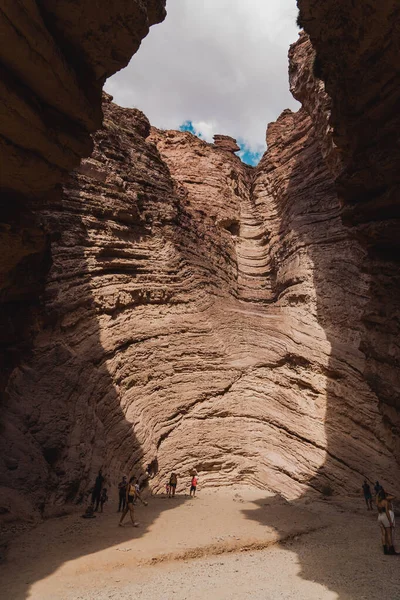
{"x":214,"y":66}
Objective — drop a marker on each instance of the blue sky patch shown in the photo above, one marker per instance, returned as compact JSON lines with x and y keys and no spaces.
{"x":246,"y":153}
{"x":188,"y":126}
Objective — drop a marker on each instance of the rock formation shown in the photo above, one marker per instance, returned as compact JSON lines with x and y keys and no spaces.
{"x":54,"y":60}
{"x":356,"y":56}
{"x":199,"y":313}
{"x":188,"y":311}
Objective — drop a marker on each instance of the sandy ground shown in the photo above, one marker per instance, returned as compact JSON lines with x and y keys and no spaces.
{"x":225,"y":544}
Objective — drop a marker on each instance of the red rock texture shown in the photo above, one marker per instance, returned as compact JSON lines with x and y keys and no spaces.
{"x":225,"y":142}
{"x":356,"y":56}
{"x":54,"y":59}
{"x":197,"y":312}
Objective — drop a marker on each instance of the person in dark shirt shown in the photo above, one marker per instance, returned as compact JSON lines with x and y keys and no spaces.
{"x":173,"y":481}
{"x":367,"y":494}
{"x":97,"y":490}
{"x":122,"y":493}
{"x":377,"y":487}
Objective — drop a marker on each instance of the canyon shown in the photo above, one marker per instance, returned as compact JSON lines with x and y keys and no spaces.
{"x":165,"y":304}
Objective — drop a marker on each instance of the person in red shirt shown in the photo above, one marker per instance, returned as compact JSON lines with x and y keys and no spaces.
{"x":193,"y":485}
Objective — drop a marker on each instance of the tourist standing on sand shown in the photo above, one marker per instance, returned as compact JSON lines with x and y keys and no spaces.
{"x":193,"y":485}
{"x":122,"y":493}
{"x":173,"y":481}
{"x":131,"y":495}
{"x":377,"y":487}
{"x":97,"y":490}
{"x":386,"y":520}
{"x":367,"y":494}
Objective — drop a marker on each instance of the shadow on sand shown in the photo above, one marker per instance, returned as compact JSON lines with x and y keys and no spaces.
{"x":336,"y":546}
{"x":72,"y":537}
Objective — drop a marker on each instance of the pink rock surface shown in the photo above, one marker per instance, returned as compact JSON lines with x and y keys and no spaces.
{"x":197,"y":313}
{"x":188,"y":311}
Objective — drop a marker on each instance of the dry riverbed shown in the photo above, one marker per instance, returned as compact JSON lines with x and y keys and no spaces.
{"x":229,"y":543}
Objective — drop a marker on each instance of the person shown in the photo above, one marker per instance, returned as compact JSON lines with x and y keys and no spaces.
{"x":193,"y":485}
{"x":97,"y":490}
{"x":144,"y":479}
{"x":103,"y":498}
{"x":173,"y":481}
{"x":122,"y":493}
{"x":386,"y":520}
{"x":377,"y":487}
{"x":167,"y":488}
{"x":367,"y":494}
{"x":138,"y":492}
{"x":131,"y":493}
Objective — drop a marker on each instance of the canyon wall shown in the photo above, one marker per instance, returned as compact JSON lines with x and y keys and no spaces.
{"x":199,"y":313}
{"x":172,"y":306}
{"x":54,"y":60}
{"x":357,"y":47}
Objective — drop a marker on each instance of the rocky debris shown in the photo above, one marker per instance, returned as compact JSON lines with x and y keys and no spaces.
{"x":225,"y":142}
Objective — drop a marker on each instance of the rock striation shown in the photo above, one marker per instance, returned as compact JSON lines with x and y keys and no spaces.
{"x":199,"y":313}
{"x":225,"y":142}
{"x":356,"y":56}
{"x":184,"y":310}
{"x":54,"y":60}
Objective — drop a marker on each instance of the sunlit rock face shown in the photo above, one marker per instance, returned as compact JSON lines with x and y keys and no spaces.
{"x":199,"y":313}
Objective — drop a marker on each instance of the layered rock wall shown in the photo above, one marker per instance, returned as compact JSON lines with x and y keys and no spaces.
{"x":189,"y":311}
{"x":357,"y":45}
{"x":54,"y":60}
{"x":199,"y":313}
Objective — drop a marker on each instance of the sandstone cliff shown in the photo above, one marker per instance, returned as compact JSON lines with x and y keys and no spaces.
{"x":357,"y":46}
{"x":54,"y":60}
{"x":173,"y":306}
{"x":199,"y":313}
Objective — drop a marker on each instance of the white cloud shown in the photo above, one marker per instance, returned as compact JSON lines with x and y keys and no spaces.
{"x":204,"y":130}
{"x":221,"y":64}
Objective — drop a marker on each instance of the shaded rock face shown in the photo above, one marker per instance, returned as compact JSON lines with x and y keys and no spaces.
{"x":357,"y":49}
{"x":54,"y":59}
{"x":199,"y":313}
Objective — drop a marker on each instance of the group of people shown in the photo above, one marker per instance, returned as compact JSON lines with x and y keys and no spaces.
{"x":171,"y":484}
{"x":129,"y":492}
{"x":386,"y":519}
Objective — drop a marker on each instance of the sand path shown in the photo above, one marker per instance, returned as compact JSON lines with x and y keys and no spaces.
{"x":233,"y":543}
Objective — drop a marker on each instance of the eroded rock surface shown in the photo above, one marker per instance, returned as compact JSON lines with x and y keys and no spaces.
{"x":356,"y":56}
{"x":357,"y":47}
{"x":54,"y":59}
{"x":198,"y":313}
